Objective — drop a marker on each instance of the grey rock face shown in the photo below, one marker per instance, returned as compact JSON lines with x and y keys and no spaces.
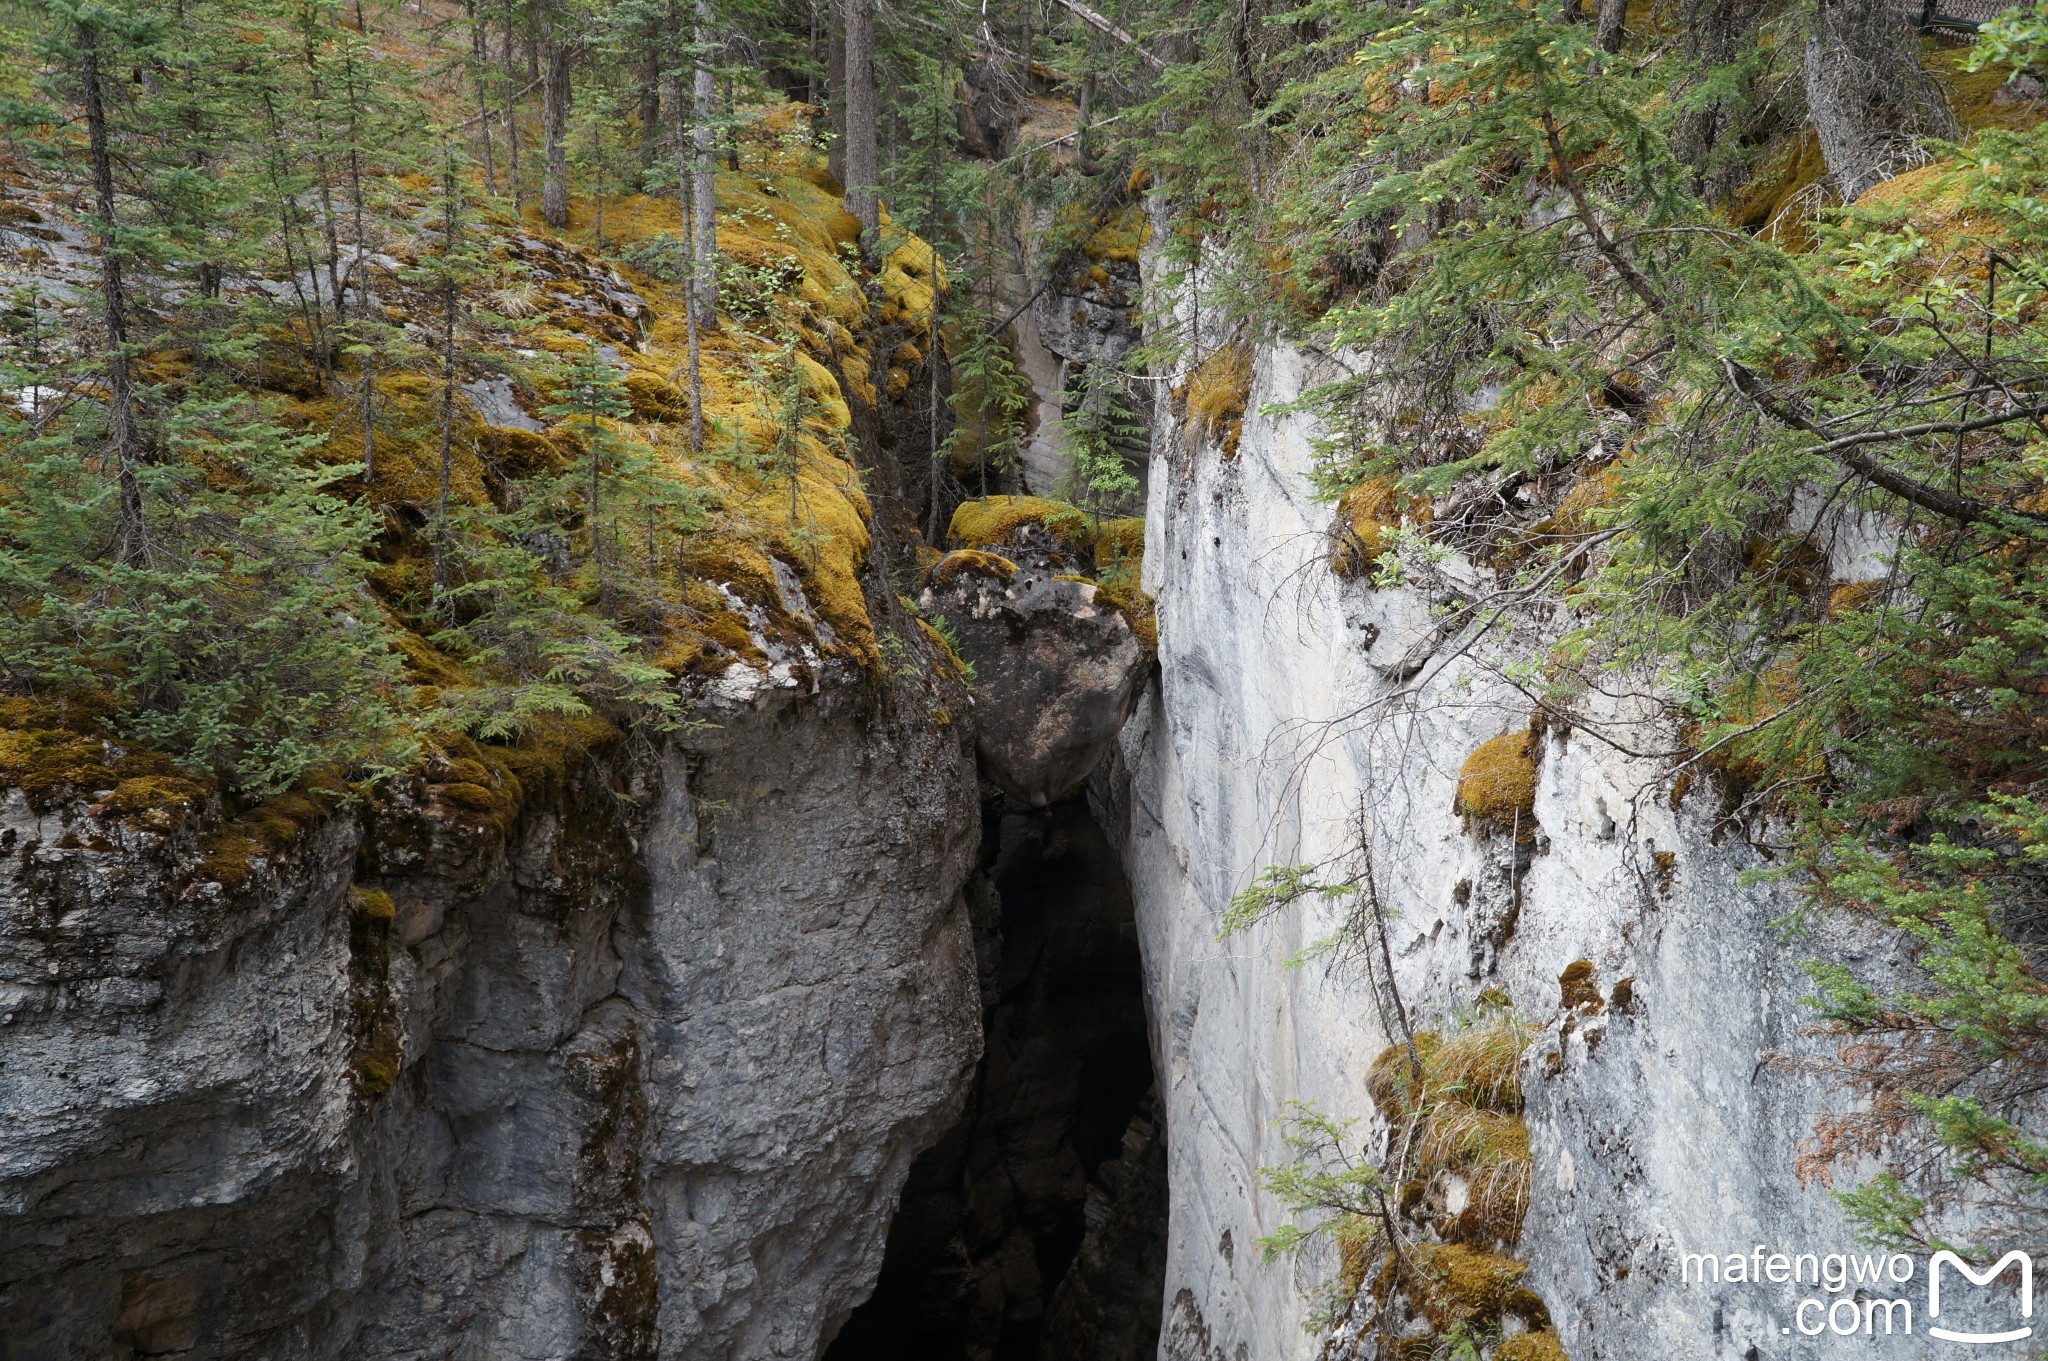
{"x":657,"y":1060}
{"x":1283,"y":731}
{"x":1057,"y":670}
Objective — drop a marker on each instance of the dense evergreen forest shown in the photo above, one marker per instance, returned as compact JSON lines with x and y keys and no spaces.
{"x":391,"y":384}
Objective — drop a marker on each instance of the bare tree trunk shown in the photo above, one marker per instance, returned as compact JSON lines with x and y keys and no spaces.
{"x":931,"y":355}
{"x":704,"y":174}
{"x":129,"y":532}
{"x":1613,"y":17}
{"x":811,"y":59}
{"x":1084,"y":107}
{"x":451,"y":229}
{"x":1870,"y":97}
{"x":650,"y":102}
{"x":359,"y":269}
{"x":479,"y":58}
{"x":835,"y":88}
{"x":686,"y":195}
{"x":555,"y":94}
{"x":505,"y":56}
{"x":862,"y":167}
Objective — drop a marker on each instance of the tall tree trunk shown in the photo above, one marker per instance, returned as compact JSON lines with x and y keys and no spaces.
{"x":650,"y":102}
{"x":479,"y":59}
{"x":1083,"y":112}
{"x":686,"y":194}
{"x":360,"y":273}
{"x":554,"y":195}
{"x":1613,"y":17}
{"x":1869,"y":95}
{"x":811,"y":59}
{"x":862,"y":168}
{"x":289,"y":229}
{"x":931,"y":354}
{"x":129,"y":533}
{"x":451,"y":232}
{"x":704,"y":136}
{"x":511,"y":113}
{"x":835,"y":88}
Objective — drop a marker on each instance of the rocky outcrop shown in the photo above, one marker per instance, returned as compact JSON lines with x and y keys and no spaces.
{"x":635,"y":1070}
{"x":1299,"y":716}
{"x":1057,"y":667}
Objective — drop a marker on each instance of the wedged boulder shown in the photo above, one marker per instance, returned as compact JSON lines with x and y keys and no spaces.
{"x":1057,"y":668}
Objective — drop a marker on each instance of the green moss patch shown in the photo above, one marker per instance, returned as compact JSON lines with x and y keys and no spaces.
{"x":1497,"y":785}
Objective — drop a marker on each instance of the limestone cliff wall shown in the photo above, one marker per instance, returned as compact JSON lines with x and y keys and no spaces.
{"x":1289,"y":719}
{"x":638,"y":1075}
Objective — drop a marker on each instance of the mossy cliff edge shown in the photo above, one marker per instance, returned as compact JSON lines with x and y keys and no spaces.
{"x":379,"y":1064}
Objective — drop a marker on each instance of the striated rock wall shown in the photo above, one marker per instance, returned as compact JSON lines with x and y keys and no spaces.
{"x":1298,"y":713}
{"x":638,"y":1075}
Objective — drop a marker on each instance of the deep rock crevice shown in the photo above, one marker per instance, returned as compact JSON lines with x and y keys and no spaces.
{"x":1036,"y":1227}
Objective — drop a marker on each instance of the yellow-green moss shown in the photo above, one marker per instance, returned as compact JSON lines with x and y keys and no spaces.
{"x":1465,"y":1119}
{"x":519,"y":453}
{"x":944,"y":649}
{"x":1497,"y":785}
{"x":973,"y":562}
{"x":1363,"y":528}
{"x":654,"y":398}
{"x":406,"y":451}
{"x":1594,"y":491}
{"x":1137,"y":608}
{"x":993,"y":519}
{"x":1974,"y":94}
{"x":1453,"y":1285}
{"x":1782,"y":194}
{"x":1851,"y":596}
{"x":540,"y":760}
{"x":51,"y":752}
{"x":374,"y":1074}
{"x":1122,"y":235}
{"x":229,"y":854}
{"x":373,"y":904}
{"x":160,"y":800}
{"x":55,"y":752}
{"x":1120,"y":540}
{"x":912,"y":274}
{"x":1540,"y":1344}
{"x":1215,"y":396}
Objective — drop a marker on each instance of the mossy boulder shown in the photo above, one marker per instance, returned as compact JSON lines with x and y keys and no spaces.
{"x":972,"y":561}
{"x":1497,"y":785}
{"x":1058,"y":664}
{"x":992,"y":520}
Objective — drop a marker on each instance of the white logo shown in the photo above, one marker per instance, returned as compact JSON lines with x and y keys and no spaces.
{"x":2026,"y":1265}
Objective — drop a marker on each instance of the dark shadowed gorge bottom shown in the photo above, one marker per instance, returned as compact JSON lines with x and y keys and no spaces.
{"x":1035,"y":1230}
